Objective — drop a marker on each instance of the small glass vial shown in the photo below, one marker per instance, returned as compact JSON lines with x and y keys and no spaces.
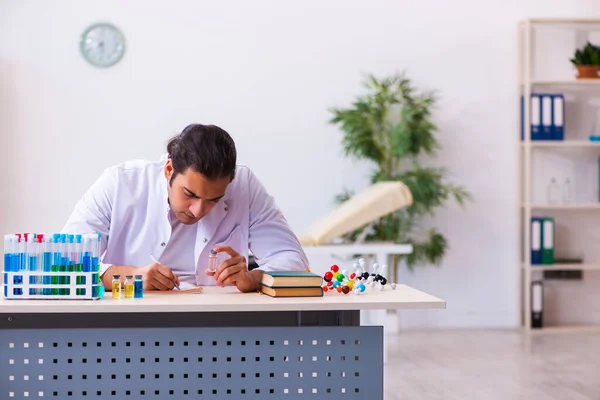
{"x":212,"y":261}
{"x":116,"y":287}
{"x":129,"y":286}
{"x":138,"y":287}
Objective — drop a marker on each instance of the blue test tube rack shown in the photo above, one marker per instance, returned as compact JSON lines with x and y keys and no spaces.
{"x":61,"y":266}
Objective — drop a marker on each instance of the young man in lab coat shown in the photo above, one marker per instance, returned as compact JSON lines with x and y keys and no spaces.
{"x":175,"y":210}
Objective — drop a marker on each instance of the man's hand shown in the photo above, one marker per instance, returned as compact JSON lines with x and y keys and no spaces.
{"x":157,"y":277}
{"x":234,"y":271}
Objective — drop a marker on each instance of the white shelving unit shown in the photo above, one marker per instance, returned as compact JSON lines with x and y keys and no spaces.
{"x":573,"y":142}
{"x":562,"y":144}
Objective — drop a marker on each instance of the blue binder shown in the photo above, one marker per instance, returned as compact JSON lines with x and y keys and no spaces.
{"x":558,"y":116}
{"x":536,"y":240}
{"x":547,"y":116}
{"x":536,"y":117}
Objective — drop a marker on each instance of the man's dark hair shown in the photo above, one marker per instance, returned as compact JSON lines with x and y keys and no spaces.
{"x":206,"y":149}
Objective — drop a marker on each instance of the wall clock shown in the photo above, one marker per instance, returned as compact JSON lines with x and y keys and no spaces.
{"x":102,"y":45}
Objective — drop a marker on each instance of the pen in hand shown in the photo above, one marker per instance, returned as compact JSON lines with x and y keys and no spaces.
{"x":156,"y":261}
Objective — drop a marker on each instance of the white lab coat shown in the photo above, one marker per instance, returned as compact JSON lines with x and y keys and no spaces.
{"x":128,"y":205}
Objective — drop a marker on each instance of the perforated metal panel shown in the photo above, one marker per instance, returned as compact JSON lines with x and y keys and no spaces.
{"x":180,"y":363}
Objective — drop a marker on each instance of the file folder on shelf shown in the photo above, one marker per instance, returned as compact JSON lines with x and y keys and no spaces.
{"x":537,"y":304}
{"x":558,"y":117}
{"x":536,"y":117}
{"x":547,"y":116}
{"x":547,"y":240}
{"x":536,"y":241}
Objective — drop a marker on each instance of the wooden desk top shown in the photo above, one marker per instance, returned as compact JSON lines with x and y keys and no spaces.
{"x":216,"y":299}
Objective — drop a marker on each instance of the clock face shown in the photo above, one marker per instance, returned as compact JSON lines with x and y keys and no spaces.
{"x":102,"y":45}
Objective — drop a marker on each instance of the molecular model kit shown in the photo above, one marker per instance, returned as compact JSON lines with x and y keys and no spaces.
{"x":358,"y":281}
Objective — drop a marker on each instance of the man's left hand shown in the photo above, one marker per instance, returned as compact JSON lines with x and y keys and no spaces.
{"x":234,"y":271}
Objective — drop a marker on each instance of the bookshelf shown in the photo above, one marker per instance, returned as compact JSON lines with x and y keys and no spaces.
{"x":558,"y":207}
{"x":559,"y":77}
{"x":562,"y":144}
{"x":568,"y":83}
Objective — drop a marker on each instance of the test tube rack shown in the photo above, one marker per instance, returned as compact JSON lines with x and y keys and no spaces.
{"x":26,"y":285}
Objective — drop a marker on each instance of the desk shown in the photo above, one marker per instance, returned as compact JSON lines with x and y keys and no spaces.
{"x":218,"y":344}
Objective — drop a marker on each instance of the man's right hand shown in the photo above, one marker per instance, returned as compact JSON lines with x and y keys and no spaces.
{"x":157,"y":277}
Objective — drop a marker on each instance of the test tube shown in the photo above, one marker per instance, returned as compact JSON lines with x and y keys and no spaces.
{"x":96,"y":253}
{"x":23,"y":250}
{"x":8,"y":250}
{"x":45,"y":244}
{"x":32,"y":256}
{"x":78,"y":262}
{"x":90,"y":257}
{"x":212,"y":261}
{"x":26,"y":244}
{"x":98,"y":290}
{"x":39,"y":239}
{"x":18,"y":262}
{"x":8,"y":259}
{"x":56,"y":255}
{"x":72,"y":256}
{"x":87,"y":253}
{"x":88,"y":250}
{"x":64,"y":262}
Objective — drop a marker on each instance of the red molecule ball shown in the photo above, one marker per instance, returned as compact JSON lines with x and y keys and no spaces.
{"x":328,"y":276}
{"x":352,"y":275}
{"x":329,"y":283}
{"x":325,"y":288}
{"x":335,"y":268}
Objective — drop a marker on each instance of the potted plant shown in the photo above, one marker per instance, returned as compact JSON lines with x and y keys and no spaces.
{"x":587,"y":61}
{"x":391,"y":126}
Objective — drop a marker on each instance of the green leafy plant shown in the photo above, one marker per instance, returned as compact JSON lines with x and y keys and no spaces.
{"x":391,"y":126}
{"x":588,"y":55}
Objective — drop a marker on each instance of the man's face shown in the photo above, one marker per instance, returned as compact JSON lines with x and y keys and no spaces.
{"x":192,"y":195}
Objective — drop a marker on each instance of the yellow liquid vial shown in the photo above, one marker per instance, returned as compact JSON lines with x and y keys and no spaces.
{"x":116,"y":290}
{"x":129,"y":290}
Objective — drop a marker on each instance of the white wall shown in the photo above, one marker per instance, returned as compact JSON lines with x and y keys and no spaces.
{"x":267,"y":71}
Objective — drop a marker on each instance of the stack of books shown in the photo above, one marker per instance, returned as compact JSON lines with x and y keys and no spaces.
{"x":291,"y":284}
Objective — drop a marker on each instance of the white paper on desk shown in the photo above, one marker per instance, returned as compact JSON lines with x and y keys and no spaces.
{"x":188,"y":287}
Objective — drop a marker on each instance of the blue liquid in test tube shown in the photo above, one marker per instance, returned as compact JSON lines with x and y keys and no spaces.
{"x":56,"y":256}
{"x":8,"y":259}
{"x":32,"y":256}
{"x":79,"y":261}
{"x":18,"y":262}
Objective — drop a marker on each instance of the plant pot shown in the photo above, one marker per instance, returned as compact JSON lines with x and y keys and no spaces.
{"x":587,"y":71}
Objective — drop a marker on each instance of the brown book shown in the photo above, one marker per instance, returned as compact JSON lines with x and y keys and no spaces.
{"x":277,"y":279}
{"x":292,"y":291}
